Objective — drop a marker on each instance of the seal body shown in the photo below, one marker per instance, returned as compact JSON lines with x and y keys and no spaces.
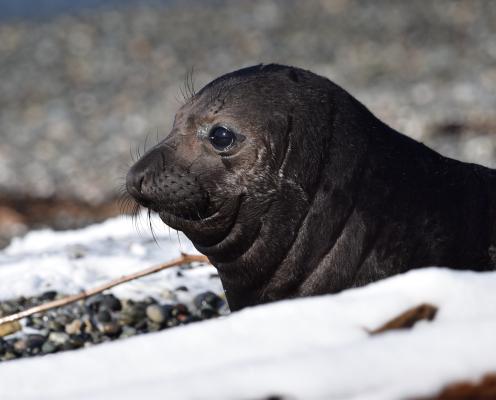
{"x":291,"y":187}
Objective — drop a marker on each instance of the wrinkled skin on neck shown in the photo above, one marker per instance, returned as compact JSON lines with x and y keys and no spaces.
{"x":315,"y":196}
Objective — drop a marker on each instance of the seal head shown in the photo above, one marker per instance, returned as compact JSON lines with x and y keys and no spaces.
{"x":291,"y":187}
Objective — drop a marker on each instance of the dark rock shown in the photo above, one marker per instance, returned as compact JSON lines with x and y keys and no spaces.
{"x":180,"y":309}
{"x":207,"y":313}
{"x":64,"y":318}
{"x":77,"y":341}
{"x":208,"y":300}
{"x":133,"y":313}
{"x":55,"y":326}
{"x":49,"y":347}
{"x":96,"y":336}
{"x":189,"y":319}
{"x":111,"y":302}
{"x":22,"y":301}
{"x":94,"y":303}
{"x":141,"y":325}
{"x":36,"y":341}
{"x":67,"y":346}
{"x":48,"y":296}
{"x":104,"y":316}
{"x":150,"y":300}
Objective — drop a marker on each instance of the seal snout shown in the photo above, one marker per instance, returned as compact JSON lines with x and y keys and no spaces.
{"x":155,"y":183}
{"x":138,"y":176}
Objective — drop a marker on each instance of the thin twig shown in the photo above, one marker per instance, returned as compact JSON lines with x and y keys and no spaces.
{"x":408,"y":318}
{"x":184,"y":259}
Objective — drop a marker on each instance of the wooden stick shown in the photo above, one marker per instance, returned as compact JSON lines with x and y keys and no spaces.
{"x":408,"y":318}
{"x":184,"y":259}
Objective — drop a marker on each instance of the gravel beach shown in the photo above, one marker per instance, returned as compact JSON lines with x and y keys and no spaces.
{"x":99,"y":319}
{"x":79,"y":91}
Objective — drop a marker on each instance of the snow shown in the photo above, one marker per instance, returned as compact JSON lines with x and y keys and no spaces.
{"x":72,"y":261}
{"x":313,"y":348}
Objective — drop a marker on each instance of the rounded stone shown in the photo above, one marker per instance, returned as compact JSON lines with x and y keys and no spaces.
{"x":110,"y":329}
{"x":158,"y":313}
{"x":55,"y":326}
{"x":74,"y":327}
{"x":58,"y":337}
{"x":208,"y":300}
{"x":48,"y":296}
{"x":49,"y":347}
{"x":20,"y":345}
{"x":36,"y":341}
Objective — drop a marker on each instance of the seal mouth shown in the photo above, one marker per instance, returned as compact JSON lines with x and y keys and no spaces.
{"x":226,"y":212}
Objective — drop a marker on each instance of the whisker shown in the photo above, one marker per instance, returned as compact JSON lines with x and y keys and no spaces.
{"x":144,"y":145}
{"x":151,"y":227}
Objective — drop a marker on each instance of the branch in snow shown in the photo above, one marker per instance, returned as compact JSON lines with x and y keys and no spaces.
{"x":408,"y":318}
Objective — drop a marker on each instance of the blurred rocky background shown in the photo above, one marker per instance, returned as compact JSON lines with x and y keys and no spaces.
{"x":84,"y":82}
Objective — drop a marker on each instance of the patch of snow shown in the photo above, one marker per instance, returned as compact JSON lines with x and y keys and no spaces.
{"x":71,"y":261}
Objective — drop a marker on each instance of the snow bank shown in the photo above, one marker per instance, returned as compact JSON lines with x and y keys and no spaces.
{"x":314,"y":348}
{"x":70,"y":261}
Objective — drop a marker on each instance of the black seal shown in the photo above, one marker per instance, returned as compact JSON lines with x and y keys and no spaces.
{"x":293,"y":188}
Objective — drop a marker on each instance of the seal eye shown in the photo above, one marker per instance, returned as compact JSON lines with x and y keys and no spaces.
{"x":221,"y":138}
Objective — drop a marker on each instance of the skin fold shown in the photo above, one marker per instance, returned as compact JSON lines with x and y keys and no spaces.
{"x":315,"y":194}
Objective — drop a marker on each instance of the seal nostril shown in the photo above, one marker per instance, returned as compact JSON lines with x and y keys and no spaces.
{"x":134,"y":184}
{"x":139,"y":185}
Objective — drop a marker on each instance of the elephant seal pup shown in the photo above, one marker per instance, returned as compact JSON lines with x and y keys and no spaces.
{"x":291,"y":187}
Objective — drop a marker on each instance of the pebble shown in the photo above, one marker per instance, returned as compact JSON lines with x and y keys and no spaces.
{"x":158,"y":313}
{"x":153,"y":326}
{"x":56,"y":326}
{"x":104,"y":316}
{"x":49,"y":347}
{"x":111,"y":302}
{"x":207,"y":299}
{"x":133,"y":312}
{"x":21,"y":345}
{"x":127,"y":331}
{"x":94,"y":302}
{"x":111,"y":328}
{"x":58,"y":337}
{"x":48,"y":296}
{"x":74,"y":327}
{"x":36,"y":341}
